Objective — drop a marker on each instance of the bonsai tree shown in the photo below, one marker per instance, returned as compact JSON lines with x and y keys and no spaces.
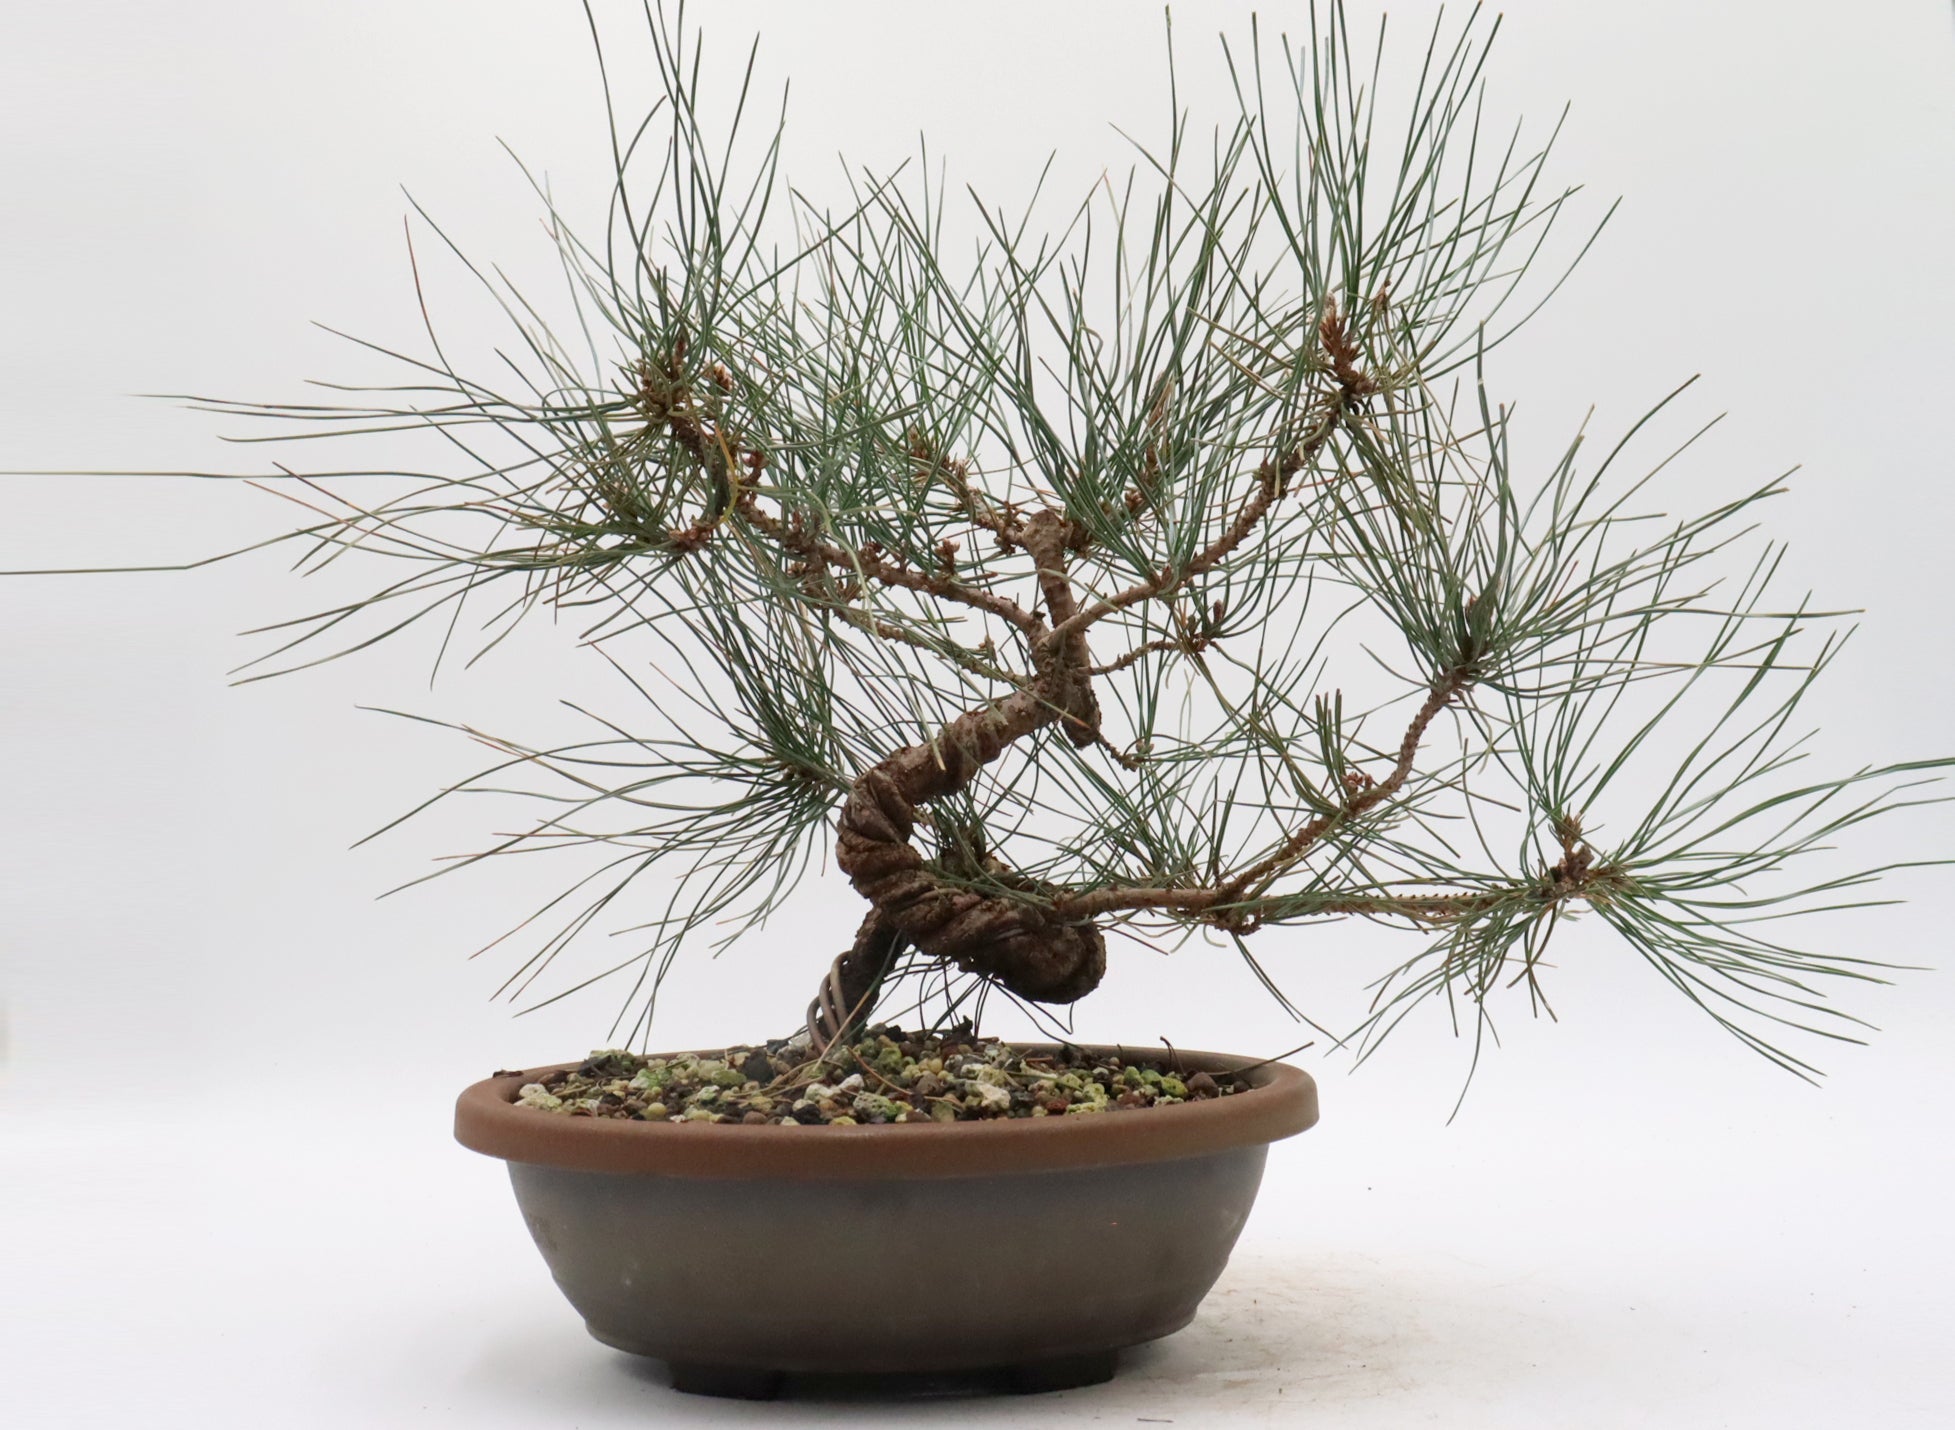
{"x":1165,"y":570}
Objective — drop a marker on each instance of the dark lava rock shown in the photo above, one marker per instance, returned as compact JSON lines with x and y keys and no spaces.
{"x":758,"y":1067}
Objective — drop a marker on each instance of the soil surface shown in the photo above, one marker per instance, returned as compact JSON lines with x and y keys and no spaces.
{"x":886,"y":1075}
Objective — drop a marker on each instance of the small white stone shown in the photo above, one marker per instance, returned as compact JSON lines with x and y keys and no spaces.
{"x":988,"y":1096}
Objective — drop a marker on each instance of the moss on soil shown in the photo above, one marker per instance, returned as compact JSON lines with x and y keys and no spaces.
{"x":886,"y":1075}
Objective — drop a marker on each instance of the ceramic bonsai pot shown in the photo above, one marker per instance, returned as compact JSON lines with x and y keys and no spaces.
{"x":1035,"y":1248}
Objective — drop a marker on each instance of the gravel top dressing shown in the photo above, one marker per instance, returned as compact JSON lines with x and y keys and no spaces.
{"x":887,"y":1075}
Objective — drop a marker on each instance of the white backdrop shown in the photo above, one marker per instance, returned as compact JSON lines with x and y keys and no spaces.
{"x":223,"y":1160}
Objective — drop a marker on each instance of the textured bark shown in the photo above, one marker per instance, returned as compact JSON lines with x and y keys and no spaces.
{"x":1046,"y":537}
{"x":1018,"y":942}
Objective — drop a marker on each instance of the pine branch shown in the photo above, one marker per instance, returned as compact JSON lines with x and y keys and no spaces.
{"x":735,"y":481}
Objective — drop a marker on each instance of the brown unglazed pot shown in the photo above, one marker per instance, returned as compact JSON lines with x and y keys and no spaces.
{"x":1035,"y":1248}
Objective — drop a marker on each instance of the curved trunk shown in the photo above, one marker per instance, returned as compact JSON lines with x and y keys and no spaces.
{"x":854,"y":980}
{"x":1022,"y":944}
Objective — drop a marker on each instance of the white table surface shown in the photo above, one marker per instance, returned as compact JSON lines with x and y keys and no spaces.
{"x":340,"y":1269}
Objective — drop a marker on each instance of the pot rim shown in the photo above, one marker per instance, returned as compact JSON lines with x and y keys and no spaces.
{"x":1280,"y":1102}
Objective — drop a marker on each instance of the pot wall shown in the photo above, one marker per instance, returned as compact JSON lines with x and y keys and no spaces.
{"x":890,"y":1274}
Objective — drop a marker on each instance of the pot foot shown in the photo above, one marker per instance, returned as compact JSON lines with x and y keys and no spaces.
{"x":1065,"y":1373}
{"x":730,"y":1382}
